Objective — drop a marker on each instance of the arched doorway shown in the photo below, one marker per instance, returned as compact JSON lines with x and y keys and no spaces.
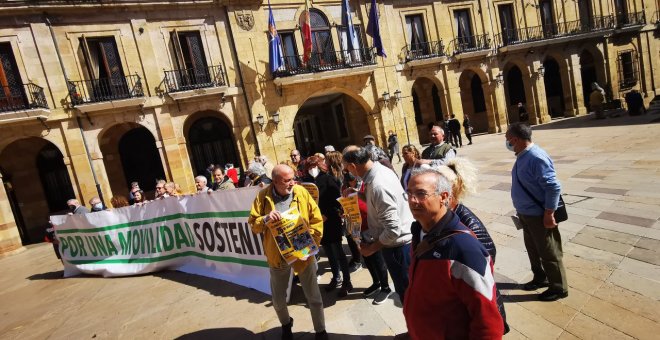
{"x":130,"y":155}
{"x":554,"y":90}
{"x":514,"y":86}
{"x":588,"y":73}
{"x":474,"y":100}
{"x":37,"y":183}
{"x":211,"y":141}
{"x":334,"y":119}
{"x":428,"y":106}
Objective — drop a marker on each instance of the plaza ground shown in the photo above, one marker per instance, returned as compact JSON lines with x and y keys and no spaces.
{"x":610,"y":173}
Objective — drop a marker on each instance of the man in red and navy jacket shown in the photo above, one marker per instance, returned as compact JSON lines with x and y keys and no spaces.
{"x":451,"y":294}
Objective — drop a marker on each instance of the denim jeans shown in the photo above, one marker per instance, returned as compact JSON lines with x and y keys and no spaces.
{"x":338,"y":261}
{"x":397,"y":260}
{"x":377,"y":269}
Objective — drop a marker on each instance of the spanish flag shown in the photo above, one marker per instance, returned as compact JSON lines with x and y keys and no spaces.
{"x":306,"y":28}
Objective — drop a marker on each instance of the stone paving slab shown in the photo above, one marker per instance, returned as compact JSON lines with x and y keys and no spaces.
{"x":611,"y":181}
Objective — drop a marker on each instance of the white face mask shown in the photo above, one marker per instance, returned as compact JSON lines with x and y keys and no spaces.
{"x":313,"y":172}
{"x":98,"y":206}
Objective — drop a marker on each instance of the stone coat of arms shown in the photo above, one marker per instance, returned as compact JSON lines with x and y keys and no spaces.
{"x":245,"y":20}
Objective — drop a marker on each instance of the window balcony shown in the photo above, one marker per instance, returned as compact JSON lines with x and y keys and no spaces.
{"x":22,"y":97}
{"x":472,"y":43}
{"x":327,"y":61}
{"x":630,"y":19}
{"x":563,"y":31}
{"x":425,"y":50}
{"x":83,"y":92}
{"x":193,"y":79}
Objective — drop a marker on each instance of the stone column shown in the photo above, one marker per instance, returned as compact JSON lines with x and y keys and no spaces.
{"x":540,"y":99}
{"x":10,"y":238}
{"x":575,"y":76}
{"x":453,"y":94}
{"x":499,"y":99}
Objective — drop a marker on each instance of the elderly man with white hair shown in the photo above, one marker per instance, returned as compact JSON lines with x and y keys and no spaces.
{"x":75,"y":208}
{"x":264,"y":161}
{"x":257,"y":175}
{"x":200,"y":184}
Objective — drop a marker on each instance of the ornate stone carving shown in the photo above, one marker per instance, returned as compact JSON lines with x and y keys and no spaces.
{"x":245,"y":20}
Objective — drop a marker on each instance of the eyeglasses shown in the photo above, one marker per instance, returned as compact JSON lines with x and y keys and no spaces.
{"x":418,"y":196}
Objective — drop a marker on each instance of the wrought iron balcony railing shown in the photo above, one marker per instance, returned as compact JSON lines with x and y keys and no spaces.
{"x":562,"y":29}
{"x":191,"y":79}
{"x":425,"y":50}
{"x":470,"y":43}
{"x":630,"y":19}
{"x":598,"y":23}
{"x":327,"y":61}
{"x":105,"y":89}
{"x":22,"y":97}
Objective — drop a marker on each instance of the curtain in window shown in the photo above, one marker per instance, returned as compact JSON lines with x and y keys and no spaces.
{"x":464,"y":31}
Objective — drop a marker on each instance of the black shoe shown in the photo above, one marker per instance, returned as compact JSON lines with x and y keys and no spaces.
{"x":382,"y":296}
{"x":552,"y":295}
{"x":346,"y":287}
{"x":333,"y":285}
{"x":321,"y":335}
{"x":287,"y":333}
{"x":354,"y":266}
{"x":535,"y":284}
{"x":373,"y":289}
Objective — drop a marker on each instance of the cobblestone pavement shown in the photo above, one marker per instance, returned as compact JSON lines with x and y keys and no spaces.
{"x":610,"y":172}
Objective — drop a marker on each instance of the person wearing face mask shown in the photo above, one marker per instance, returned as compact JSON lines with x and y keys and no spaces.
{"x":329,"y":191}
{"x":256,"y":173}
{"x":96,"y":204}
{"x":75,"y":208}
{"x":535,"y":192}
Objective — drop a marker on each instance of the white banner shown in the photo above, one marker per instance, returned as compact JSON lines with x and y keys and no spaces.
{"x":206,"y":234}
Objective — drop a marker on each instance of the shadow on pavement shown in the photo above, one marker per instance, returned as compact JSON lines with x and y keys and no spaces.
{"x":508,"y":285}
{"x":588,"y":121}
{"x":511,"y":298}
{"x":215,"y":287}
{"x":241,"y":333}
{"x":56,"y":275}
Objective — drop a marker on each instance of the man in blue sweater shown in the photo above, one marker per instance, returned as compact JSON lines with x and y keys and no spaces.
{"x":535,"y":193}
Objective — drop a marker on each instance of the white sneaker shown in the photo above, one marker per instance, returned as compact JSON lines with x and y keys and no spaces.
{"x":382,"y":296}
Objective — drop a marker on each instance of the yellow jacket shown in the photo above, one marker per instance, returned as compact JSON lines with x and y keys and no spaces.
{"x":263,"y":204}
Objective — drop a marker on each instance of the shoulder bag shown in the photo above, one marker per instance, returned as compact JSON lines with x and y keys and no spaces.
{"x":560,"y":213}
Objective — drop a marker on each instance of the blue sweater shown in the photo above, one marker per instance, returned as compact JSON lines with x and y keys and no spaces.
{"x":535,"y":170}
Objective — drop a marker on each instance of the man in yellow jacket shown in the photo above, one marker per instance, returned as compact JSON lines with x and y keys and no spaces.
{"x":279,"y":196}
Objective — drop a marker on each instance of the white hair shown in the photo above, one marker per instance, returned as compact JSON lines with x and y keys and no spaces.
{"x":256,"y":168}
{"x":445,"y":177}
{"x":466,"y":177}
{"x":201,"y":179}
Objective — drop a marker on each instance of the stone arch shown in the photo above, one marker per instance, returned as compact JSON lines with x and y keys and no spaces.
{"x":130,"y":154}
{"x":475,"y":92}
{"x":517,"y":88}
{"x":37,"y":183}
{"x":592,"y":69}
{"x":335,"y":116}
{"x":429,"y":105}
{"x":210,"y":139}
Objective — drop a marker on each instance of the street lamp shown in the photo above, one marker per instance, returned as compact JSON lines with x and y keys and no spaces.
{"x":386,"y":96}
{"x":276,"y":117}
{"x":260,"y":121}
{"x":541,"y":71}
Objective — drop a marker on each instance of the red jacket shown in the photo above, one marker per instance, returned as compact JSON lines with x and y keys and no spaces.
{"x":451,"y":294}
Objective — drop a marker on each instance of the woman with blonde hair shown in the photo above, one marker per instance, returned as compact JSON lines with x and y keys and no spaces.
{"x":333,"y":162}
{"x":463,"y":176}
{"x":410,"y":156}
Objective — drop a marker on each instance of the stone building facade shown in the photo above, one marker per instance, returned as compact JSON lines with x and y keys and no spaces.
{"x":97,"y":94}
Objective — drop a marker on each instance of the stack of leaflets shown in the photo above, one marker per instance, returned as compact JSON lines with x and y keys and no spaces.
{"x":352,"y":215}
{"x":292,"y":236}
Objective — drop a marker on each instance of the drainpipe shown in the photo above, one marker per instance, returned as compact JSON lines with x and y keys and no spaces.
{"x":66,"y":81}
{"x":240,"y":78}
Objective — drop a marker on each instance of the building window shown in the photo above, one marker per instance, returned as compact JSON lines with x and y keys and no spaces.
{"x":323,"y":50}
{"x":463,"y":24}
{"x":415,"y":32}
{"x":627,"y":62}
{"x":507,"y":24}
{"x":289,"y":49}
{"x":190,"y":59}
{"x":11,"y":86}
{"x":106,"y":76}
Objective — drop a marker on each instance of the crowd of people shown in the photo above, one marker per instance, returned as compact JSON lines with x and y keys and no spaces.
{"x":416,"y":229}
